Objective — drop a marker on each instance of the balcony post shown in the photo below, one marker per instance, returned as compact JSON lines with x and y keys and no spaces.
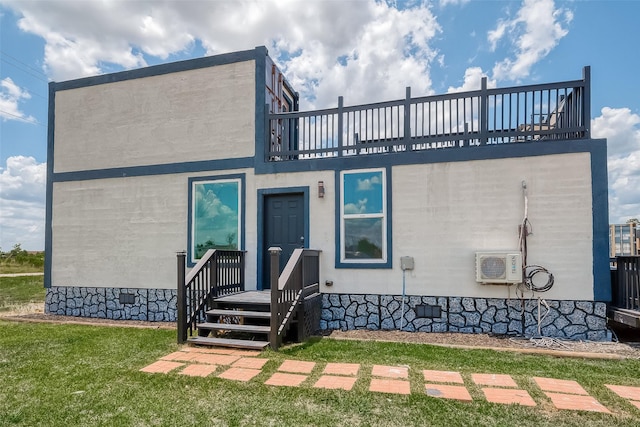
{"x":484,"y":102}
{"x":407,"y":119}
{"x":340,"y":125}
{"x":269,"y":137}
{"x":586,"y":112}
{"x":275,"y":293}
{"x":181,"y":298}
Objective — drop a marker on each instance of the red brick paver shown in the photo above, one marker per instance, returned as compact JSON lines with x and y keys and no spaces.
{"x":496,"y":380}
{"x":457,"y":392}
{"x":214,"y":359}
{"x":249,"y":362}
{"x":560,"y":386}
{"x":161,"y":367}
{"x":297,"y":366}
{"x":214,"y":350}
{"x":390,"y":371}
{"x":239,"y":374}
{"x":335,"y":382}
{"x":246,"y":353}
{"x":390,"y":386}
{"x":442,"y":377}
{"x":181,"y":356}
{"x":635,"y":403}
{"x":288,"y":380}
{"x":508,"y":396}
{"x":626,"y":392}
{"x":196,"y":370}
{"x":576,"y":402}
{"x":342,"y":369}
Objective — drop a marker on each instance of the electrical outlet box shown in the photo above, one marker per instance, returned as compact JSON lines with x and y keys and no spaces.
{"x":406,"y":263}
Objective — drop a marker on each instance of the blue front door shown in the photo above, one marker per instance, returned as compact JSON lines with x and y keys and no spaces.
{"x":284,"y":228}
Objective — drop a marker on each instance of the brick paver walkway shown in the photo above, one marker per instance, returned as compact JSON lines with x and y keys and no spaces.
{"x":245,"y":365}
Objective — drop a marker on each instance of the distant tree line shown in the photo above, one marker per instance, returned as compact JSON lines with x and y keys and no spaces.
{"x":19,"y":256}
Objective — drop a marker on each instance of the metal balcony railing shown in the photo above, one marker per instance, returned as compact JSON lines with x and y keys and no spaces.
{"x":552,"y":111}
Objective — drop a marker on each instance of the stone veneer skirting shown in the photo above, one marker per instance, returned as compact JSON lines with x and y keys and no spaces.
{"x":565,"y":319}
{"x":155,"y":305}
{"x":585,"y":320}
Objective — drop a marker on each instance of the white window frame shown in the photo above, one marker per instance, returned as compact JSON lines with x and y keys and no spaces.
{"x":382,"y":215}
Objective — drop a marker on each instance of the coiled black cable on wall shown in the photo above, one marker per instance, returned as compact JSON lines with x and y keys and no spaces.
{"x":530,"y":271}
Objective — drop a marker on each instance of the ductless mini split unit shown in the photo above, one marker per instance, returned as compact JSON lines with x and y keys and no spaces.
{"x":498,"y":267}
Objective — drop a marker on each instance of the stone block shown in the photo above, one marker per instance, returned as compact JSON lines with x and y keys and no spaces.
{"x":455,"y":305}
{"x":497,"y":303}
{"x":457,"y":320}
{"x":387,"y":324}
{"x":499,"y":328}
{"x":577,"y":317}
{"x":334,"y":300}
{"x":358,"y":299}
{"x":561,"y":322}
{"x":596,"y":323}
{"x":515,"y":326}
{"x":468,"y":304}
{"x":439,"y":327}
{"x":488,"y":314}
{"x":471,"y":318}
{"x":373,"y":299}
{"x":600,"y":309}
{"x":566,"y":307}
{"x":481,"y":305}
{"x":337,"y":313}
{"x":586,"y":306}
{"x":344,"y":301}
{"x":576,"y":331}
{"x":501,"y":315}
{"x":352,"y":309}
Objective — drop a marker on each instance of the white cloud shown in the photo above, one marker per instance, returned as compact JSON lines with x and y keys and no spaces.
{"x":364,"y":50}
{"x":472,"y":81}
{"x":10,"y":97}
{"x":534,"y":32}
{"x":621,"y":127}
{"x":356,"y":208}
{"x":453,"y":2}
{"x":22,"y":197}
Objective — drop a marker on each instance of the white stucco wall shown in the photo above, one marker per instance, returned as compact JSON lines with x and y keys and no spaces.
{"x":200,"y":114}
{"x":443,"y":213}
{"x":124,"y":232}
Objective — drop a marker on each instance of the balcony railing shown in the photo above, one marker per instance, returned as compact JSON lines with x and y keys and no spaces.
{"x":553,"y":111}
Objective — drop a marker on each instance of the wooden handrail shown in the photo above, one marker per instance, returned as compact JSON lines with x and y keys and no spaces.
{"x":289,"y":289}
{"x":218,"y":273}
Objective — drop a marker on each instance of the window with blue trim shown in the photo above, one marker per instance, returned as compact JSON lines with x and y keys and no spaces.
{"x":363,"y":217}
{"x":215,"y":216}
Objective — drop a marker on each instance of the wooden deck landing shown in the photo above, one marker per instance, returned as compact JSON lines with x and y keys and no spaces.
{"x":248,"y":297}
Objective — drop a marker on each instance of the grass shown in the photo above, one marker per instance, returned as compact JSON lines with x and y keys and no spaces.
{"x":14,"y":268}
{"x":73,"y":375}
{"x":18,"y":291}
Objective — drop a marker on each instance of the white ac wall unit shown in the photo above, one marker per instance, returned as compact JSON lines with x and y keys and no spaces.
{"x":498,"y":267}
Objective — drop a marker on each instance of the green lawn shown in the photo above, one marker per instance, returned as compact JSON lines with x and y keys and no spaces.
{"x":72,"y":375}
{"x":16,"y":291}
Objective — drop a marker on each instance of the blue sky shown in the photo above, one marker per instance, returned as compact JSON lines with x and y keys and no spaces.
{"x":364,"y":50}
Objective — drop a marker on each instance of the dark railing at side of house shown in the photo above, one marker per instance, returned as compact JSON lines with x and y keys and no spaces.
{"x":553,"y":111}
{"x":218,"y":273}
{"x":299,"y":279}
{"x":625,"y":282}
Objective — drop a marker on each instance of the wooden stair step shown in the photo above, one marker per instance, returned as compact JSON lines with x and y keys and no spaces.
{"x":234,"y":327}
{"x":243,"y":313}
{"x":225,"y":342}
